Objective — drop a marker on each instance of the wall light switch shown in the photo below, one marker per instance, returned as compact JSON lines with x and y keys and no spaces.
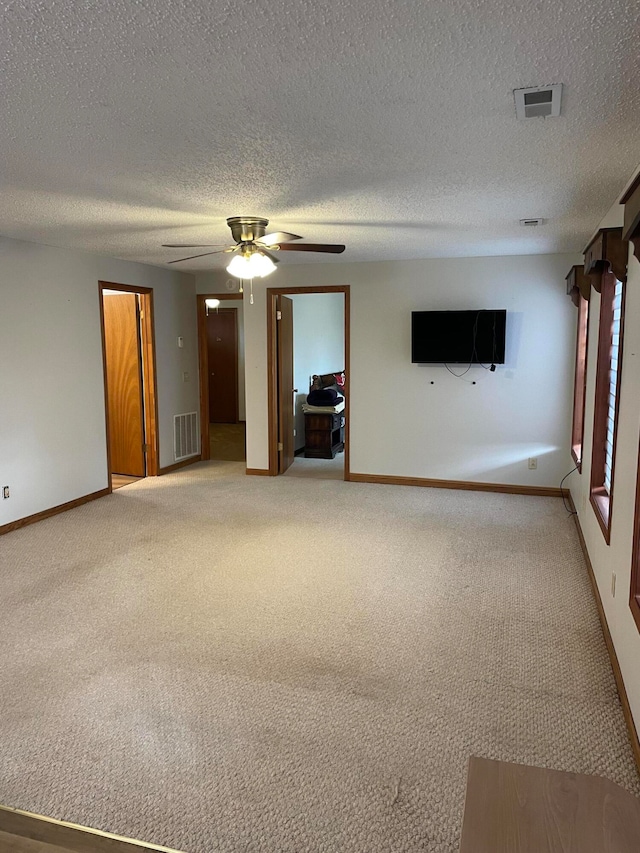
{"x":180,"y":341}
{"x":5,"y":491}
{"x":185,"y":376}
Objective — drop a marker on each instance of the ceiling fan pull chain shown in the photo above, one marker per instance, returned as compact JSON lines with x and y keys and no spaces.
{"x":251,"y":291}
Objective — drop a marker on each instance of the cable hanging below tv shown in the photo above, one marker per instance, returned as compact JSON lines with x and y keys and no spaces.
{"x":458,"y":337}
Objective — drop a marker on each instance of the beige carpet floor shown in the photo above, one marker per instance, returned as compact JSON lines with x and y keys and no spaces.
{"x":320,"y":469}
{"x":225,"y":663}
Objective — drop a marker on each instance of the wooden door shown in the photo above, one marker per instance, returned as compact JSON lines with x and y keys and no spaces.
{"x":123,"y":356}
{"x":222,"y":360}
{"x":286,"y":392}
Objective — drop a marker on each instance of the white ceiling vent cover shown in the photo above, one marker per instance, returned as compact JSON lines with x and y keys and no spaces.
{"x":185,"y":436}
{"x":538,"y":101}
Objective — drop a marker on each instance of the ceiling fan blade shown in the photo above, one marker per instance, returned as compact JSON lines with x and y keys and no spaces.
{"x":192,"y":245}
{"x":278,"y":237}
{"x":193,"y":257}
{"x":334,"y":248}
{"x":270,"y":256}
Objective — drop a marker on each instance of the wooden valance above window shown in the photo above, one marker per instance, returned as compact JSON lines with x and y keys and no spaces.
{"x":631,"y":228}
{"x":578,"y":284}
{"x":608,"y":252}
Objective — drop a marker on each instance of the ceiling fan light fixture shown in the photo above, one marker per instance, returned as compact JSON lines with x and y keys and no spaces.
{"x":251,"y":265}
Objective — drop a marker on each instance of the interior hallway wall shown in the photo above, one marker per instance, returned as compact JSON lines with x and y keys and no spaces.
{"x":419,"y":420}
{"x":53,"y":446}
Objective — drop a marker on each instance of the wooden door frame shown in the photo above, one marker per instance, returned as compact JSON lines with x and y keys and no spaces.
{"x":150,"y":382}
{"x":287,"y":443}
{"x":203,"y":364}
{"x":272,"y":365}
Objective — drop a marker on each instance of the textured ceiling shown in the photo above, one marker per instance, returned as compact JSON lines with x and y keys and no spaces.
{"x":387,"y":126}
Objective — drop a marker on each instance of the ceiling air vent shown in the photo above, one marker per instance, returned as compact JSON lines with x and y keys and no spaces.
{"x":538,"y":101}
{"x":528,"y":223}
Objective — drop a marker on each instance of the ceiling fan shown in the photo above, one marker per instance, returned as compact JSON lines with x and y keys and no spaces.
{"x":253,"y":249}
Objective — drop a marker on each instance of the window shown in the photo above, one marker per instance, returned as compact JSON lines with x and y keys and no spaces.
{"x":577,"y":430}
{"x":606,"y":402}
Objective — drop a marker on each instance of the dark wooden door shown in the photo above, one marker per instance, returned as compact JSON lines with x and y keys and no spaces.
{"x":286,"y":391}
{"x":123,"y":357}
{"x":222,"y":359}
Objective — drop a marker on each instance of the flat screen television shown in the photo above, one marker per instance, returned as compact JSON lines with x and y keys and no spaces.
{"x":458,"y":337}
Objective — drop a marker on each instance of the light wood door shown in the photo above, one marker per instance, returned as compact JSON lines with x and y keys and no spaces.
{"x":286,"y":391}
{"x":123,"y":357}
{"x":222,"y":358}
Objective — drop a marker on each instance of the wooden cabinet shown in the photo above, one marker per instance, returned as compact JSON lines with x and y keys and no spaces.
{"x":607,"y":252}
{"x":578,"y":284}
{"x":631,"y":230}
{"x":323,"y":434}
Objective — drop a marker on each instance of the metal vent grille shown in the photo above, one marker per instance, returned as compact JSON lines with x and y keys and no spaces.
{"x":538,"y":101}
{"x":185,"y":436}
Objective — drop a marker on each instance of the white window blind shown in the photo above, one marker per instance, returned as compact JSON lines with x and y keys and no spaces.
{"x":613,"y":385}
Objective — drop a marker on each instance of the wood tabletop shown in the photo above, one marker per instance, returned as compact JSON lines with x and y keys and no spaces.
{"x":515,"y":808}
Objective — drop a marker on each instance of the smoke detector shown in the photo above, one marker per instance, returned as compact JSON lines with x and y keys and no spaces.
{"x":532,"y":222}
{"x":538,"y":101}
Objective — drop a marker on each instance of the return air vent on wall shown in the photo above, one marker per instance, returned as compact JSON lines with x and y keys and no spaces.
{"x":185,"y":436}
{"x":538,"y":101}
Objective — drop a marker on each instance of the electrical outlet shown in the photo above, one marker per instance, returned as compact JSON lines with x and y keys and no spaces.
{"x":613,"y":584}
{"x":533,"y":463}
{"x":185,"y":376}
{"x":5,"y":492}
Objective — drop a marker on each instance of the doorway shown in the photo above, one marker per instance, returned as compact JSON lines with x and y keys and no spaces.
{"x":222,"y":360}
{"x":221,"y":357}
{"x":129,"y":381}
{"x":314,"y":439}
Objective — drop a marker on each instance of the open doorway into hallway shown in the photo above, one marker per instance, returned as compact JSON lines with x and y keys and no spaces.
{"x":308,"y":352}
{"x":222,"y":394}
{"x":129,"y":381}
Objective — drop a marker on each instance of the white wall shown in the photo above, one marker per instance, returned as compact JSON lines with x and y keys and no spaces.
{"x":616,"y":557}
{"x":217,"y":282}
{"x":52,"y":418}
{"x":318,"y":344}
{"x":403,"y":425}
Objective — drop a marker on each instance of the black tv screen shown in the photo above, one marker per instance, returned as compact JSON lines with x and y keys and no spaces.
{"x":458,"y":337}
